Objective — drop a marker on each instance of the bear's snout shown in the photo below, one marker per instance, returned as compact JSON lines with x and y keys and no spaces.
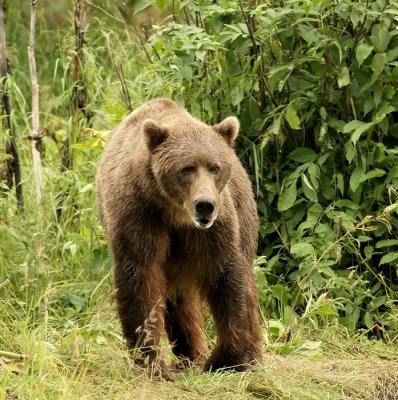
{"x":204,"y":206}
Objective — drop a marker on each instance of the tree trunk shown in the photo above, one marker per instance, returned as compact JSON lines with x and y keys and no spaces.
{"x":79,"y":92}
{"x":36,"y":137}
{"x":10,"y":170}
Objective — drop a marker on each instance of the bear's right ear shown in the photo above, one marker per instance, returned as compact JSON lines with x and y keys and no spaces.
{"x":228,"y":129}
{"x":154,"y":134}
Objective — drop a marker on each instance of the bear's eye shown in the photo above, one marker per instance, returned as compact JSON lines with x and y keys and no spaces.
{"x":188,"y":170}
{"x":215,"y":169}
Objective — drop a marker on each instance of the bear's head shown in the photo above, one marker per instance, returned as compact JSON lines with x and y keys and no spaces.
{"x":191,"y":163}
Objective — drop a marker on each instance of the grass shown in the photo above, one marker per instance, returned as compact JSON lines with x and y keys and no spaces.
{"x":60,"y":336}
{"x":88,"y":361}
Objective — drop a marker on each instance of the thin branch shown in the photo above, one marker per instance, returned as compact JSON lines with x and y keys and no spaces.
{"x":261,"y":75}
{"x":79,"y":91}
{"x":135,"y":30}
{"x":123,"y":84}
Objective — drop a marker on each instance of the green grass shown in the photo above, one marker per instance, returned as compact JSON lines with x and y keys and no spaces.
{"x":60,"y":336}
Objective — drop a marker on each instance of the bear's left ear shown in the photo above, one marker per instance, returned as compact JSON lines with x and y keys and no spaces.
{"x":228,"y":129}
{"x":154,"y":134}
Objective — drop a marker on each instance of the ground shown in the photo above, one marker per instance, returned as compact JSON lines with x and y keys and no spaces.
{"x":89,"y":361}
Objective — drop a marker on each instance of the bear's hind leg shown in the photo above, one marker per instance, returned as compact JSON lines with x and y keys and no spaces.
{"x":184,"y":322}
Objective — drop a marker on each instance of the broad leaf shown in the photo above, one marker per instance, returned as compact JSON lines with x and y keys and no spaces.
{"x":344,"y":77}
{"x":287,"y":197}
{"x":358,"y":127}
{"x":388,"y":258}
{"x":380,"y":36}
{"x":292,"y":117}
{"x":362,"y":53}
{"x":386,"y":243}
{"x":347,"y":203}
{"x":302,"y":249}
{"x":303,"y":155}
{"x":375,"y":173}
{"x":356,"y":176}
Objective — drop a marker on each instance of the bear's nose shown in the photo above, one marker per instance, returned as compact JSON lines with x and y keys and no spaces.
{"x":204,"y":206}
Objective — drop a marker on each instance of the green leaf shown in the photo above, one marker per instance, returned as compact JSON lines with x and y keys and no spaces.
{"x":368,"y":319}
{"x":352,"y":125}
{"x":358,"y":127}
{"x":386,"y":243}
{"x":350,"y":151}
{"x":303,"y":155}
{"x":77,"y":301}
{"x":336,"y":124}
{"x":380,"y":36}
{"x":347,"y":203}
{"x":302,"y":249}
{"x":280,"y":292}
{"x":378,"y":63}
{"x":362,"y":53}
{"x":287,"y":197}
{"x":356,"y":176}
{"x":308,"y":189}
{"x":309,"y":34}
{"x":236,"y":95}
{"x":379,"y":301}
{"x":340,"y":183}
{"x":393,"y":172}
{"x":307,"y":182}
{"x":300,"y":347}
{"x":388,"y":258}
{"x":358,"y":132}
{"x":314,"y":172}
{"x":161,"y":4}
{"x":375,"y":173}
{"x":276,"y":328}
{"x":382,"y":112}
{"x":142,"y":5}
{"x":344,"y":77}
{"x":292,"y":117}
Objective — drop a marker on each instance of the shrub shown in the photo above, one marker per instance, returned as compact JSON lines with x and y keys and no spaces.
{"x":314,"y":85}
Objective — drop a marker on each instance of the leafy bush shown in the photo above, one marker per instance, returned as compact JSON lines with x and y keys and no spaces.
{"x":314,"y":85}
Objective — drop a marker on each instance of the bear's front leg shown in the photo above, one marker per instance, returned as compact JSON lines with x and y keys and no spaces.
{"x":140,"y":293}
{"x":141,"y":307}
{"x":234,"y":305}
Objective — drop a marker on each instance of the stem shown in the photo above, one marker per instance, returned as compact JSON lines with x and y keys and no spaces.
{"x":123,"y":84}
{"x":9,"y":354}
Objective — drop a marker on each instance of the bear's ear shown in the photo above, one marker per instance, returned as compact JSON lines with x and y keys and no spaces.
{"x":154,"y":134}
{"x":228,"y":129}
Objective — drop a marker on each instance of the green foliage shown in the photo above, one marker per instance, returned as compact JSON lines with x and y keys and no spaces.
{"x":314,"y":86}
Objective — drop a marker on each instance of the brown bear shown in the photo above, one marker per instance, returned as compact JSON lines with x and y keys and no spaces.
{"x":179,"y":214}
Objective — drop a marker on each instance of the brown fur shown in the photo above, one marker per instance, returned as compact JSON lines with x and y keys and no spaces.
{"x":158,"y":165}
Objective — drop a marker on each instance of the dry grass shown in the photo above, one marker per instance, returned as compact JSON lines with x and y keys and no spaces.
{"x":102,"y":371}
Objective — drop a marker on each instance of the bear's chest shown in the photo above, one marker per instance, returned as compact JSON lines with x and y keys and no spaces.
{"x":190,"y":258}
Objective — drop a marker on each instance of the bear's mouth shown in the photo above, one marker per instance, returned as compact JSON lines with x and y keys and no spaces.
{"x":203,"y":223}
